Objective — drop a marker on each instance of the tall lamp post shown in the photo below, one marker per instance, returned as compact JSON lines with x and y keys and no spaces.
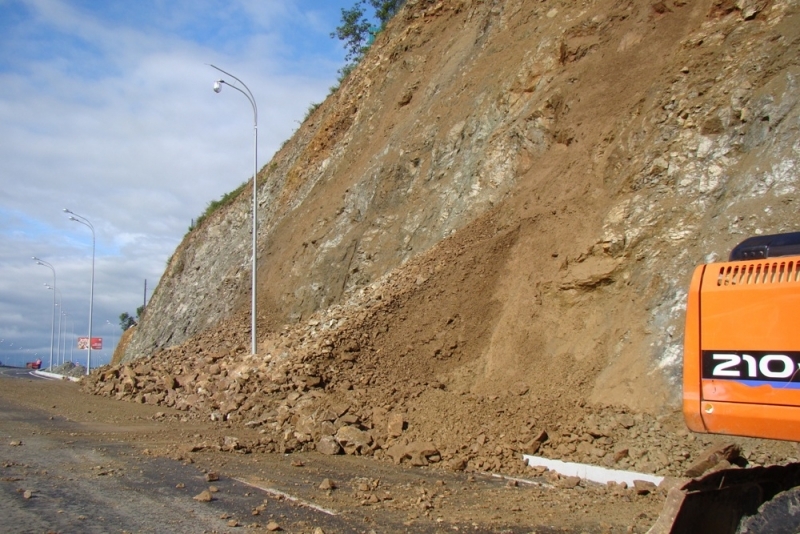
{"x":249,"y":95}
{"x":53,"y":318}
{"x":60,"y":315}
{"x":64,"y":338}
{"x":84,"y":221}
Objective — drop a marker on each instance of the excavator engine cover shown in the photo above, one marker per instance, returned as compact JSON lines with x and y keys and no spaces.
{"x":741,"y":377}
{"x":742,"y":342}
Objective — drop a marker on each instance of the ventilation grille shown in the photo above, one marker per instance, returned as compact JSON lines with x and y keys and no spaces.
{"x":774,"y":272}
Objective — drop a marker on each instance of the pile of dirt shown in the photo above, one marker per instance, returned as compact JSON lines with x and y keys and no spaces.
{"x":480,"y":245}
{"x":366,"y":378}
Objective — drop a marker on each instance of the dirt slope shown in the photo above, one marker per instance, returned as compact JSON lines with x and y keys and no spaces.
{"x":487,"y":233}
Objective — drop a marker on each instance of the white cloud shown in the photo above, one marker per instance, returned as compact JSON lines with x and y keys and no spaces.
{"x":109,"y":111}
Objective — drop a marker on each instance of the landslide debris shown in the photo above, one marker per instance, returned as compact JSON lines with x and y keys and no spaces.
{"x":343,"y":382}
{"x":480,"y":245}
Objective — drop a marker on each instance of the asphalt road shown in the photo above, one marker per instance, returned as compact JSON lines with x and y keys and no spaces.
{"x":17,"y":372}
{"x":89,"y":485}
{"x":63,"y":476}
{"x":72,"y":462}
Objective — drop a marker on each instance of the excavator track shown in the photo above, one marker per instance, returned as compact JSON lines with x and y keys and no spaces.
{"x":731,"y":501}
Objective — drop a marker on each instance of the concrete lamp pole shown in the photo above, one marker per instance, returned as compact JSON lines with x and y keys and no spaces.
{"x":84,"y":221}
{"x":53,"y":318}
{"x":249,"y":95}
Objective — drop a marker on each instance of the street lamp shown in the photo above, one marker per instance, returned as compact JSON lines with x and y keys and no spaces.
{"x":113,"y":346}
{"x":53,"y":318}
{"x":249,"y":95}
{"x":60,"y":314}
{"x":71,"y":337}
{"x":84,"y":221}
{"x":64,"y":337}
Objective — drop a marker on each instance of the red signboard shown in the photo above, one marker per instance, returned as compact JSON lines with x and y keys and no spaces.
{"x":83,"y":343}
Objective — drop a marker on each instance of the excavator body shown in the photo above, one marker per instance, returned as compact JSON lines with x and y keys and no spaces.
{"x":742,"y":348}
{"x":741,"y":377}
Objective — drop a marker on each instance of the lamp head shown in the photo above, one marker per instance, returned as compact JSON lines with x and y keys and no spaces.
{"x":218,"y":86}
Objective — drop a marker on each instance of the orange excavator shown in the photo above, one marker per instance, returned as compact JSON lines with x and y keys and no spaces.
{"x":741,"y":377}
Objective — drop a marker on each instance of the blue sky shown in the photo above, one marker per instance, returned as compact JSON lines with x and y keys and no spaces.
{"x":107,"y":109}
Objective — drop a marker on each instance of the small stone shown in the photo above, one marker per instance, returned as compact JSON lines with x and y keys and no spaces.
{"x":328,"y":445}
{"x":213,"y":489}
{"x":212,"y":476}
{"x":570,"y":482}
{"x":713,"y":456}
{"x":203,"y":496}
{"x":625,"y":420}
{"x":519,"y":389}
{"x":620,"y":454}
{"x":233,"y":523}
{"x":395,"y":425}
{"x":327,"y":484}
{"x":272,"y":526}
{"x":27,"y":494}
{"x":457,"y":464}
{"x":643,"y":487}
{"x":15,"y":443}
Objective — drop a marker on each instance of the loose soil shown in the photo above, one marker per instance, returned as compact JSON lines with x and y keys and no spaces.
{"x":368,"y":495}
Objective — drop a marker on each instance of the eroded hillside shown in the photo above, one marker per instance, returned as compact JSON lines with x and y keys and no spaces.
{"x":488,"y":231}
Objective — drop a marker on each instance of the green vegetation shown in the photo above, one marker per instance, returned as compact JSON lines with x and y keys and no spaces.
{"x":126,"y":321}
{"x":358,"y":31}
{"x":311,"y":109}
{"x":214,"y":205}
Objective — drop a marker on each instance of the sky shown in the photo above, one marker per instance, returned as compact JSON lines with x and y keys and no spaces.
{"x":107,"y":109}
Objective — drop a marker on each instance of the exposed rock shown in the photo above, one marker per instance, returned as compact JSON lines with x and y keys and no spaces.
{"x":529,"y":232}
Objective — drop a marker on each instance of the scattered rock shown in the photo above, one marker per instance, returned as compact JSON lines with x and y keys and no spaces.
{"x":353,"y":440}
{"x":395,"y":425}
{"x":643,"y":487}
{"x":203,"y":496}
{"x":709,"y":458}
{"x":328,"y":445}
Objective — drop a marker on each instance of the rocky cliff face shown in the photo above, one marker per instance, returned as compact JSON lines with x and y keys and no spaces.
{"x":504,"y":196}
